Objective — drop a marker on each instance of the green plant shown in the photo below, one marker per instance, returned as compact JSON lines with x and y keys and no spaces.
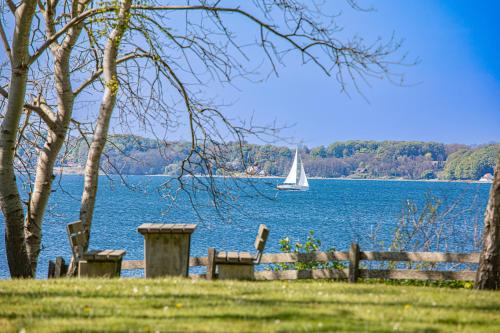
{"x":311,"y":245}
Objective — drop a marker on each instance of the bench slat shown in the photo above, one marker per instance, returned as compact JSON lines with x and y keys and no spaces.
{"x":233,"y":257}
{"x":246,"y":257}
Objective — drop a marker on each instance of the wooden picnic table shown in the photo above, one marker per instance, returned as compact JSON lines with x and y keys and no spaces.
{"x":166,"y":248}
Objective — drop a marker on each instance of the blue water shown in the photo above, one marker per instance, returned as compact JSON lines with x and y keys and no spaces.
{"x":339,"y":211}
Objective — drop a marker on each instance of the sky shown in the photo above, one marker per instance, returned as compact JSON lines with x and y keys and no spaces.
{"x":452,"y":95}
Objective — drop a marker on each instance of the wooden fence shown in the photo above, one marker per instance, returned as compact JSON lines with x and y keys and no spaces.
{"x":354,"y":256}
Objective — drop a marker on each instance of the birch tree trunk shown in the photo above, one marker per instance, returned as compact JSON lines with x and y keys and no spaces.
{"x":102,"y":126}
{"x":488,"y":273}
{"x":10,"y":200}
{"x":56,"y":135}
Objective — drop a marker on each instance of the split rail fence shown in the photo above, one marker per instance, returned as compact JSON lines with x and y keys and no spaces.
{"x":354,"y":256}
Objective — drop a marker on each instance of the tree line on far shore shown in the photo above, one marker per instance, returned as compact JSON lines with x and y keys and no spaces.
{"x":129,"y":154}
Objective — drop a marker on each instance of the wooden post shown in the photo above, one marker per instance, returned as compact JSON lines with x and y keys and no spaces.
{"x":353,"y":263}
{"x":52,"y":267}
{"x":211,"y":263}
{"x":59,"y":267}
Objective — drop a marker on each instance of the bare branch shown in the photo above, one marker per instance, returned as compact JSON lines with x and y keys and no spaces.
{"x":5,"y":42}
{"x":42,"y":110}
{"x":12,"y":6}
{"x":74,"y":21}
{"x":98,"y":73}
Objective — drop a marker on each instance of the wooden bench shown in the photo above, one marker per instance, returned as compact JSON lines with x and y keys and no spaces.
{"x":236,"y":265}
{"x":96,"y":263}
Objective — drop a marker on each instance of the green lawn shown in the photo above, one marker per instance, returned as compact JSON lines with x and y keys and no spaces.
{"x":181,"y":305}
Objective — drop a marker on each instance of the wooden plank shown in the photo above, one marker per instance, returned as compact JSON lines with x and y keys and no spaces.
{"x":221,"y":256}
{"x":260,"y":241}
{"x":309,"y":274}
{"x":421,"y":256}
{"x":166,"y":228}
{"x":107,"y":269}
{"x":212,"y":253}
{"x":375,"y":256}
{"x":198,"y":261}
{"x":246,"y":257}
{"x":176,"y":228}
{"x":51,"y":271}
{"x":155,"y":228}
{"x":117,"y":254}
{"x":103,"y":255}
{"x":232,"y":257}
{"x":230,"y":271}
{"x":353,"y":262}
{"x":189,"y":227}
{"x":58,"y":269}
{"x":276,"y":275}
{"x":410,"y":274}
{"x":64,"y":269}
{"x":365,"y":273}
{"x":76,"y":240}
{"x":163,"y":228}
{"x":75,"y":227}
{"x":133,"y":264}
{"x":330,"y":274}
{"x":274,"y":258}
{"x":144,"y":228}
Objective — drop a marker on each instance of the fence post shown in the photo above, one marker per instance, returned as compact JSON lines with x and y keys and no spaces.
{"x":211,"y":263}
{"x":353,"y":263}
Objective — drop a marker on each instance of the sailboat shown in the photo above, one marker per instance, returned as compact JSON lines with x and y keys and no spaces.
{"x":295,"y":181}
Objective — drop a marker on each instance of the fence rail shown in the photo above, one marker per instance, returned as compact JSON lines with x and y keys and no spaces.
{"x":353,"y":256}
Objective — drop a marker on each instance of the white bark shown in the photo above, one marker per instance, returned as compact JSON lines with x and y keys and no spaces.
{"x":102,"y":126}
{"x":56,"y":135}
{"x":10,"y":200}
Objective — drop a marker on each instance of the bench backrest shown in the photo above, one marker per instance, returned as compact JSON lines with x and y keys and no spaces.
{"x":76,"y":236}
{"x":260,"y":241}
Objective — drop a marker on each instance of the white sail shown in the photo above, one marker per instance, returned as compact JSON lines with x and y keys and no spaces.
{"x":303,"y":178}
{"x":292,"y":175}
{"x":291,"y":182}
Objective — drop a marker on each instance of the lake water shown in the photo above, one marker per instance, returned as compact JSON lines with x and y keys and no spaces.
{"x":339,"y":211}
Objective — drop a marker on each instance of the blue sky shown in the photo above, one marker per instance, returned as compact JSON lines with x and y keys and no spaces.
{"x":455,"y":91}
{"x":453,"y":94}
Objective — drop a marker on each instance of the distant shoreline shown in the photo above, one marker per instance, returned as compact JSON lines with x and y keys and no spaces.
{"x":80,"y":172}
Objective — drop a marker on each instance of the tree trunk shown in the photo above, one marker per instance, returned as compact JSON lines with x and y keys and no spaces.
{"x":10,"y":200}
{"x":46,"y":160}
{"x":55,"y":138}
{"x":105,"y":111}
{"x":488,"y":272}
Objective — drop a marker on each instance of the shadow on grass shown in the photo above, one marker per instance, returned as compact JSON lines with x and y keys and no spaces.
{"x":239,"y":299}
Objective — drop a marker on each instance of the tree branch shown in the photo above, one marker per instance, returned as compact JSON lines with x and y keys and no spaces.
{"x":42,"y":110}
{"x":98,"y":73}
{"x":74,"y":21}
{"x":12,"y":6}
{"x":5,"y":42}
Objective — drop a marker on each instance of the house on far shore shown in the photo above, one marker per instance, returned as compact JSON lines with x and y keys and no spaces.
{"x":487,"y":178}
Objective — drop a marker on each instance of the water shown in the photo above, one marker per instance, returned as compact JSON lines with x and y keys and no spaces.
{"x":339,"y":211}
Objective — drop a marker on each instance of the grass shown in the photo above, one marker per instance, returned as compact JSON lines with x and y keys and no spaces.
{"x":182,"y":305}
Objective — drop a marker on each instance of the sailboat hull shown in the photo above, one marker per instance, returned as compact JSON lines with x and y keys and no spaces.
{"x":291,"y":187}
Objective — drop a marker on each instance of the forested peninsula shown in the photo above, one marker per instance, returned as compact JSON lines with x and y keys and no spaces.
{"x":135,"y":155}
